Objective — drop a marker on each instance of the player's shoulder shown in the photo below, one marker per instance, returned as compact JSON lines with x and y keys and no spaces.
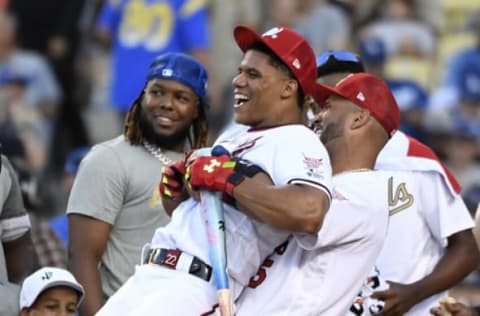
{"x":362,"y":189}
{"x":402,"y":145}
{"x":411,"y":178}
{"x":287,"y":137}
{"x":231,"y":131}
{"x":116,"y":148}
{"x":296,"y":131}
{"x":109,"y":144}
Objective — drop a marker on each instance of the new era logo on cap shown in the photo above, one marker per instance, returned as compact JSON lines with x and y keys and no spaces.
{"x":360,"y":96}
{"x":47,"y":276}
{"x":296,"y":63}
{"x":167,"y":72}
{"x":289,"y":46}
{"x":368,"y":92}
{"x":273,"y":32}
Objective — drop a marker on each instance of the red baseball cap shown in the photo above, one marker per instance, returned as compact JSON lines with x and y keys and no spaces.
{"x":368,"y":92}
{"x":289,"y":46}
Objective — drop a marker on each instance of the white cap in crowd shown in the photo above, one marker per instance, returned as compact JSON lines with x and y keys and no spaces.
{"x":44,"y":279}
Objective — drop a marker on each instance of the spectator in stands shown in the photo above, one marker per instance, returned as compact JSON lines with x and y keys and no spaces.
{"x":411,"y":97}
{"x":325,"y":26}
{"x":51,"y":28}
{"x":466,"y":60}
{"x":402,"y":32}
{"x":138,"y":31}
{"x":466,"y":113}
{"x":17,"y":259}
{"x":22,"y":128}
{"x":50,"y":291}
{"x":461,"y":158}
{"x":363,"y":12}
{"x":42,"y":93}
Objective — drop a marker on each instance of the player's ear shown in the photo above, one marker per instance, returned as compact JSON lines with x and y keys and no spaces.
{"x":360,"y":118}
{"x":289,"y":88}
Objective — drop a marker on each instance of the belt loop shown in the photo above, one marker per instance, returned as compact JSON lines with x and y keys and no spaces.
{"x":153,"y":255}
{"x":145,"y":253}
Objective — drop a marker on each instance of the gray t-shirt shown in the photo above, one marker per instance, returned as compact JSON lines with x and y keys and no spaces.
{"x":14,"y":223}
{"x":118,"y":183}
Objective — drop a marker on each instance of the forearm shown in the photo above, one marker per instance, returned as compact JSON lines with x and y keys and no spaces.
{"x":461,"y":258}
{"x":84,"y":253}
{"x":296,"y":208}
{"x":85,"y":270}
{"x":20,"y":257}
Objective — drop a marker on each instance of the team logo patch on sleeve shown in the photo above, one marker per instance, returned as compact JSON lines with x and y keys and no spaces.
{"x":313,"y":166}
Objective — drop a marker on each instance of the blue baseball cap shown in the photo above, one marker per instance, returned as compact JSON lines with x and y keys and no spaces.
{"x":409,"y":95}
{"x":373,"y":51}
{"x":335,"y":61}
{"x":11,"y":78}
{"x":470,"y":83}
{"x":182,"y":68}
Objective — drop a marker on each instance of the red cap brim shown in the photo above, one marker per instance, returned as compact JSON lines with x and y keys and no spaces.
{"x":322,"y":93}
{"x":246,"y":37}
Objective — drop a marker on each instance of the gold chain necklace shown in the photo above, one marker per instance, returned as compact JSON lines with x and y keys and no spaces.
{"x":353,"y":170}
{"x":156,"y":152}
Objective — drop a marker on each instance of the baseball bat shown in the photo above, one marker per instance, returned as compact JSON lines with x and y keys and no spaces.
{"x":212,"y":210}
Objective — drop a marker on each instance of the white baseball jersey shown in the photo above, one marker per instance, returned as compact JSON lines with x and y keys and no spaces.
{"x":326,"y":279}
{"x":429,"y":210}
{"x":290,"y":154}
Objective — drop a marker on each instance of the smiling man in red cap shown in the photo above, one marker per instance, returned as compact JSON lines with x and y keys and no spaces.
{"x":359,"y":116}
{"x":275,"y":176}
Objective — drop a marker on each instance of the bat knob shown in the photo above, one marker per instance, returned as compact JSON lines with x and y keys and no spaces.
{"x":219,"y":150}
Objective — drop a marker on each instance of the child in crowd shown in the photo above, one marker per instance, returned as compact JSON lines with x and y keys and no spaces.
{"x":50,"y":291}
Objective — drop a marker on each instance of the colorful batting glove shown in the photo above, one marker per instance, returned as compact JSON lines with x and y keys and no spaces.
{"x":171,"y":182}
{"x":219,"y":173}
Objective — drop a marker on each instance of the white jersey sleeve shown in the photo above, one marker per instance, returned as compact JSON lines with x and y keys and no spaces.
{"x":304,"y":161}
{"x":445,"y":214}
{"x":290,"y":154}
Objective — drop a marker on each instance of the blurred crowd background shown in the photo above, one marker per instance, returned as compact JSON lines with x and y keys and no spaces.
{"x":64,"y":81}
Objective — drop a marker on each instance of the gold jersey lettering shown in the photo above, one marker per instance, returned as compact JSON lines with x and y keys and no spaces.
{"x":397,"y":196}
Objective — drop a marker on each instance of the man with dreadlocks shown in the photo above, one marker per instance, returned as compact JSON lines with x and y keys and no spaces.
{"x":115,"y":204}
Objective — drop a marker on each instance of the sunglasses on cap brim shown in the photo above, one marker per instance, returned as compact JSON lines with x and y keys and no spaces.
{"x":338,"y":55}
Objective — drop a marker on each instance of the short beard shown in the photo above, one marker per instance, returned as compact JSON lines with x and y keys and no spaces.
{"x":165,"y":142}
{"x":332,"y":131}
